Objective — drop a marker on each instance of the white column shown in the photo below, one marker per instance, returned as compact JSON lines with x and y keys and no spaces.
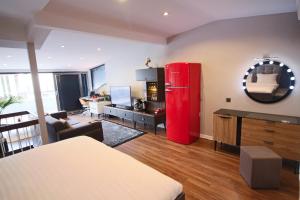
{"x":37,"y":91}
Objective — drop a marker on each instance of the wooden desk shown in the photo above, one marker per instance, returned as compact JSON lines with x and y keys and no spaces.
{"x":277,"y":132}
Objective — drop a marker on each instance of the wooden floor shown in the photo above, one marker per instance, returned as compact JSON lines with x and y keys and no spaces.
{"x":204,"y":173}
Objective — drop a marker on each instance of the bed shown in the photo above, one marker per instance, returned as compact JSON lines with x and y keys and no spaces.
{"x":82,"y":168}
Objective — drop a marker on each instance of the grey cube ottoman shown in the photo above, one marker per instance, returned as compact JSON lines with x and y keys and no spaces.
{"x":260,"y":167}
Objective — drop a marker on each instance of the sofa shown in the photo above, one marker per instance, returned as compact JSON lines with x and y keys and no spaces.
{"x":61,"y":127}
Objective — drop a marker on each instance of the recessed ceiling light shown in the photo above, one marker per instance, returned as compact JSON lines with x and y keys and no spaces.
{"x":166,"y":13}
{"x":49,"y":57}
{"x":9,"y":56}
{"x":122,"y":1}
{"x":4,"y":64}
{"x":62,"y":46}
{"x":81,"y":58}
{"x":98,"y":49}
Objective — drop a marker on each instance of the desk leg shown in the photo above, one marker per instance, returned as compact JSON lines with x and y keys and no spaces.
{"x":215,"y":145}
{"x":297,"y":167}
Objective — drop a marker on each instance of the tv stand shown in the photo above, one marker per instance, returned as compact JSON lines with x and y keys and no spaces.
{"x":136,"y":116}
{"x":122,"y":107}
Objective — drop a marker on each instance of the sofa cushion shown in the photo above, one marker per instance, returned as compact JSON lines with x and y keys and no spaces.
{"x":56,"y":124}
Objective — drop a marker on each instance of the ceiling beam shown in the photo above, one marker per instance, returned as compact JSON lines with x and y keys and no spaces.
{"x":49,"y":20}
{"x":12,"y":33}
{"x":37,"y":35}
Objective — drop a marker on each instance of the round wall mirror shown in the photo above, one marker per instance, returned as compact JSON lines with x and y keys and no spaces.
{"x":268,"y":81}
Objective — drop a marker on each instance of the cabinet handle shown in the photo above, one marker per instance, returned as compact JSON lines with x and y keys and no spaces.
{"x":225,"y":117}
{"x":269,"y":130}
{"x":268,"y":142}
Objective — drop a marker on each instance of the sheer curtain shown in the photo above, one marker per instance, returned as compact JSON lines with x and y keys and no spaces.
{"x":21,"y":85}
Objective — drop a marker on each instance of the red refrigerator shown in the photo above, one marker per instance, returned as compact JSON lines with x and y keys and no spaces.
{"x":182,"y":81}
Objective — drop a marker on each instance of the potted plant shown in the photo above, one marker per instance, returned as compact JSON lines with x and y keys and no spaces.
{"x":6,"y":101}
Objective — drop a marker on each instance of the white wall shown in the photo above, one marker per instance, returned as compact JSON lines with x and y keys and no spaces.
{"x":125,"y":56}
{"x":227,"y":49}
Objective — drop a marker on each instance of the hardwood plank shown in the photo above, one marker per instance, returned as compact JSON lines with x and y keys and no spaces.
{"x":204,"y":173}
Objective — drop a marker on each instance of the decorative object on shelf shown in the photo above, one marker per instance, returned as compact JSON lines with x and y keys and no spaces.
{"x":268,"y":81}
{"x":148,"y":61}
{"x":138,"y":105}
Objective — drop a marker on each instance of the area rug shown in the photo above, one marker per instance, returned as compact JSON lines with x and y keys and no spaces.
{"x":115,"y":134}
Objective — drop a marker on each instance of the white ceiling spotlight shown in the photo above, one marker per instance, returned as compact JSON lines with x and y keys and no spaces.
{"x":9,"y":56}
{"x":62,"y":46}
{"x":122,"y":1}
{"x":49,"y":57}
{"x":166,"y":14}
{"x":4,"y":65}
{"x":98,"y":49}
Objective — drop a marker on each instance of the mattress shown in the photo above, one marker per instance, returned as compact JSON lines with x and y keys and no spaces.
{"x":81,"y":168}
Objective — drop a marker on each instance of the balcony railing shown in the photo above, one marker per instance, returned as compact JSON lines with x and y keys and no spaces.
{"x":19,"y":131}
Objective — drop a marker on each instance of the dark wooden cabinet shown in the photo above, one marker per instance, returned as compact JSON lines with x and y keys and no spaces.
{"x":136,"y":117}
{"x":155,"y":83}
{"x":149,"y":74}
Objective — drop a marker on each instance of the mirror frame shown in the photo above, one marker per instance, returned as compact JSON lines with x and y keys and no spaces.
{"x":271,"y":62}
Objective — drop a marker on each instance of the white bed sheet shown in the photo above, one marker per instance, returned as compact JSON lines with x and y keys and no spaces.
{"x":81,"y":168}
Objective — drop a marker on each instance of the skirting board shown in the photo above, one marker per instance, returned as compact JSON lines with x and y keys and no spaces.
{"x":208,"y":137}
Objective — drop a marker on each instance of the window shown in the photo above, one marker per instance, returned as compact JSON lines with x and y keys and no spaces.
{"x":21,"y":85}
{"x":98,"y":77}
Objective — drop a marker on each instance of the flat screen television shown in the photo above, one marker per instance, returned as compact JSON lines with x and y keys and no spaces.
{"x":120,"y":96}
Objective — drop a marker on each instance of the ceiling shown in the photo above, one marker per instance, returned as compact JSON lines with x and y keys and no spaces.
{"x":21,"y":10}
{"x":82,"y":26}
{"x":72,"y":51}
{"x":147,"y":15}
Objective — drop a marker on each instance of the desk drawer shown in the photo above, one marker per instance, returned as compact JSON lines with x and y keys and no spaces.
{"x":257,"y":132}
{"x":125,"y":114}
{"x":140,"y":118}
{"x":282,"y":138}
{"x":110,"y":111}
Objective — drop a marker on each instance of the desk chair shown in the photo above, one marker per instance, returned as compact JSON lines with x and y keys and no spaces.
{"x":85,"y":105}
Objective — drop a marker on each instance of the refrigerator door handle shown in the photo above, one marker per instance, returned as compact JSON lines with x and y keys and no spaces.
{"x":168,"y":90}
{"x":167,"y":84}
